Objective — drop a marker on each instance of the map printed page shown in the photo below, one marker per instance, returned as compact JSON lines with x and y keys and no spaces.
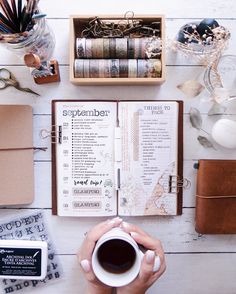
{"x":85,"y":158}
{"x":149,"y":134}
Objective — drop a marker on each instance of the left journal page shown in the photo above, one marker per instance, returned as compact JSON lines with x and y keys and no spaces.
{"x":85,"y":158}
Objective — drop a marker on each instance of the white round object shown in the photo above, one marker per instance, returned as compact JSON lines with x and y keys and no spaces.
{"x":224,"y":133}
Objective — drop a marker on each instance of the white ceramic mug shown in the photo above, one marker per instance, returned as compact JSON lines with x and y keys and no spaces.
{"x":124,"y":278}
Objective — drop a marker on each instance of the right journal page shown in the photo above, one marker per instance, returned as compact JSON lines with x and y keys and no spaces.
{"x":149,"y":148}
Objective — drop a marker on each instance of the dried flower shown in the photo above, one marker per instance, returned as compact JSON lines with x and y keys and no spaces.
{"x":216,"y":109}
{"x":205,"y":142}
{"x":205,"y":40}
{"x":196,"y":122}
{"x":195,"y":118}
{"x":191,"y":88}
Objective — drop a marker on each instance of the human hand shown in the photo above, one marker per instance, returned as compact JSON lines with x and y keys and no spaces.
{"x":146,"y":275}
{"x":85,"y":255}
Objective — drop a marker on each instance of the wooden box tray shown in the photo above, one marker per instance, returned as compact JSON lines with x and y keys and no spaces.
{"x":78,"y":24}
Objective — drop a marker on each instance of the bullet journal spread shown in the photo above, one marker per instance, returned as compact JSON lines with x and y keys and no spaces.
{"x":113,"y":157}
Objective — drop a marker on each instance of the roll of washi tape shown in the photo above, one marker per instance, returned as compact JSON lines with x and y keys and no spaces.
{"x":106,"y":48}
{"x":107,"y":68}
{"x":154,"y":68}
{"x":112,"y":46}
{"x":132,"y":67}
{"x":144,"y":43}
{"x":121,"y":48}
{"x":93,"y":68}
{"x":137,"y":48}
{"x":79,"y":68}
{"x":153,"y":48}
{"x":97,"y":48}
{"x":88,"y":48}
{"x":101,"y":67}
{"x":86,"y":68}
{"x":142,"y":68}
{"x":131,"y":48}
{"x":114,"y":64}
{"x":123,"y":66}
{"x":80,"y":47}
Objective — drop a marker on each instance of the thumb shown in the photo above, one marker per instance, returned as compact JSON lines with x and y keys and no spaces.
{"x":87,"y":269}
{"x":146,"y":270}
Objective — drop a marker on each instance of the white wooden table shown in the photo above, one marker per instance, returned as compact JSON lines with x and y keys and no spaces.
{"x":195,"y":263}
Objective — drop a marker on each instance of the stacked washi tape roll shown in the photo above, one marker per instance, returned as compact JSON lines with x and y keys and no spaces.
{"x":118,"y":57}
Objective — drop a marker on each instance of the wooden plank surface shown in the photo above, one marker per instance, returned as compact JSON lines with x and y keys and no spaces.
{"x":176,"y":233}
{"x":178,"y":9}
{"x":186,"y":273}
{"x":195,"y":263}
{"x":66,"y":90}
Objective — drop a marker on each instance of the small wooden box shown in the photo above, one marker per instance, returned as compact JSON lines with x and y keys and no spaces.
{"x":78,"y":24}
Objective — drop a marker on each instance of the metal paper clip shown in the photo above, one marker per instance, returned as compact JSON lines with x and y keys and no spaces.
{"x":55,"y":134}
{"x":175,"y":183}
{"x":129,"y":26}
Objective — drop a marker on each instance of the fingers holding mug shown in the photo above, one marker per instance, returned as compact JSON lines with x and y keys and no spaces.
{"x":149,"y":243}
{"x":94,"y":285}
{"x":87,"y":269}
{"x":96,"y":232}
{"x":93,"y":235}
{"x":128,"y":228}
{"x":146,"y":270}
{"x":153,"y":263}
{"x":111,"y":250}
{"x":153,"y":245}
{"x":85,"y":253}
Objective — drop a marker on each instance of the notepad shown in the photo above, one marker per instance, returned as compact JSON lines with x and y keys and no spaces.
{"x":16,"y":166}
{"x":117,"y":157}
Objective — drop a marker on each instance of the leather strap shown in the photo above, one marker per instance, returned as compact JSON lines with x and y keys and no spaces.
{"x":24,"y":148}
{"x":216,"y":197}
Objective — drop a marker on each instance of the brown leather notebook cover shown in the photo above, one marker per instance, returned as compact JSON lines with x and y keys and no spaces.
{"x":180,"y":153}
{"x":16,"y":166}
{"x":216,"y":197}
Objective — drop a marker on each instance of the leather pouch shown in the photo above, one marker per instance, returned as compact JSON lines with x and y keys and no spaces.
{"x":216,"y":197}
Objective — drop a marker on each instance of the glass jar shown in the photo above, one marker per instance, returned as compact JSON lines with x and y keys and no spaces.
{"x":222,"y":75}
{"x":204,"y":51}
{"x":39,"y":40}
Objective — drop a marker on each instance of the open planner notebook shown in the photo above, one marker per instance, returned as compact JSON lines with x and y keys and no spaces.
{"x":117,"y":157}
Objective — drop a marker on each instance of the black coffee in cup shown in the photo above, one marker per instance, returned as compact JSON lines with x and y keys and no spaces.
{"x":116,"y":256}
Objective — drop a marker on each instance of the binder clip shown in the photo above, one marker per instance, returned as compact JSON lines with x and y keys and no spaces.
{"x":55,"y":134}
{"x":176,"y":183}
{"x":43,"y":72}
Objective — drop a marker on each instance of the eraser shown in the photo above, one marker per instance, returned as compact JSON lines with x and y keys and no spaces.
{"x":23,"y":259}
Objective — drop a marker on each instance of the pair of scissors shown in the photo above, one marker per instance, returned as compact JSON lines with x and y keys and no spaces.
{"x":7,"y":79}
